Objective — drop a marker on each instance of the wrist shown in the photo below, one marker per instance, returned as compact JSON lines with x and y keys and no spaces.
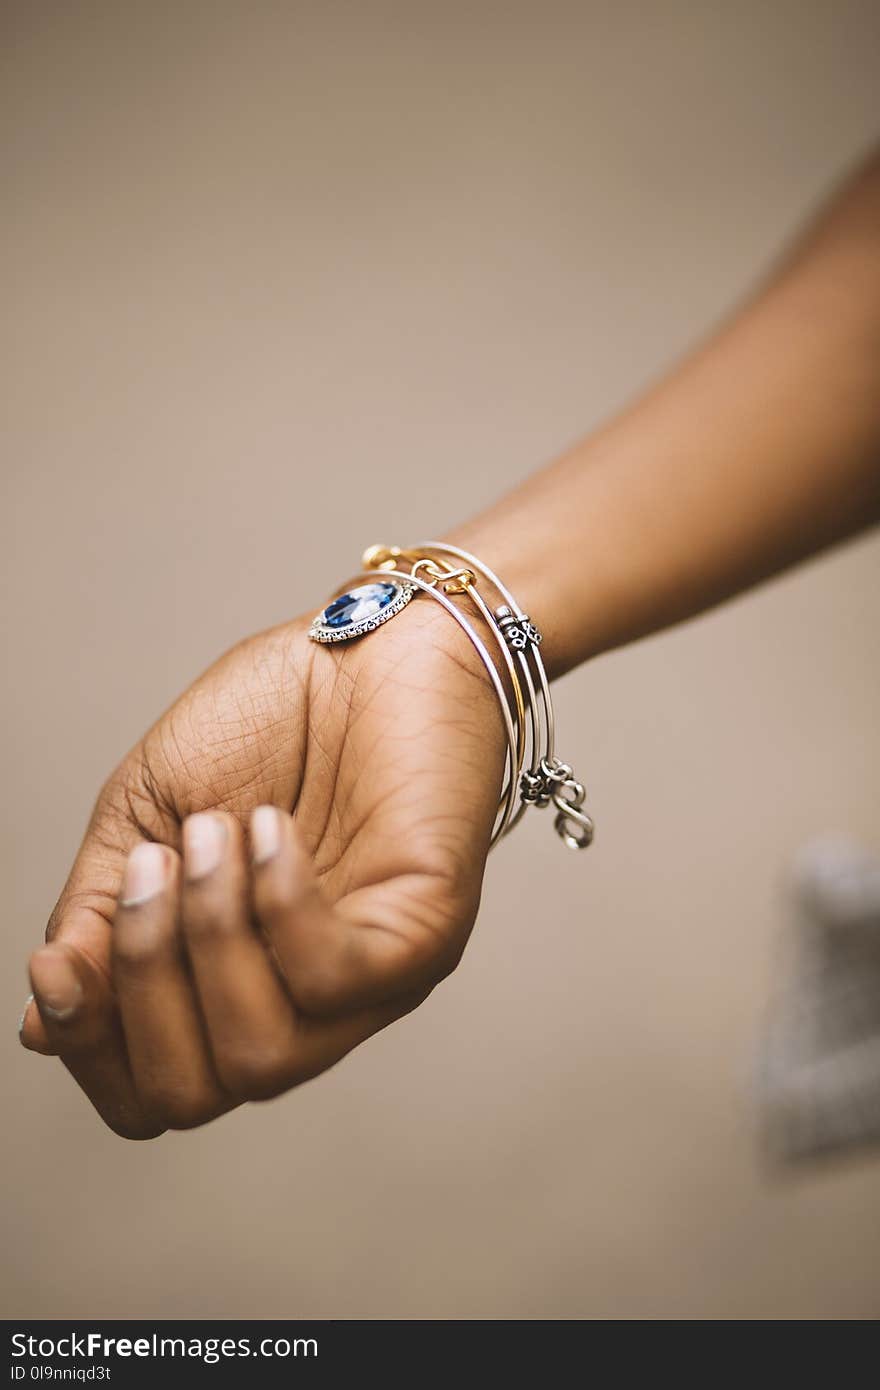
{"x":507,"y":643}
{"x":544,"y":577}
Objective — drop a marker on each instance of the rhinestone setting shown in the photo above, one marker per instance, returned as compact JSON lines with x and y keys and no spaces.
{"x":360,"y":610}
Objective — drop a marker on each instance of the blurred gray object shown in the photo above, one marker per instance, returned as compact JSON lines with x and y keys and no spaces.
{"x":820,"y":1073}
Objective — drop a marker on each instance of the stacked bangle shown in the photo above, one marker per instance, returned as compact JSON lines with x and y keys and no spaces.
{"x":534,"y":775}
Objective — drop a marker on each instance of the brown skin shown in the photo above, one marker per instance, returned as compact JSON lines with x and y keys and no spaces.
{"x":242,"y":983}
{"x":759,"y":450}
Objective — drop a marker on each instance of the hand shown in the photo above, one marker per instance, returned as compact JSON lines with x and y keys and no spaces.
{"x":185,"y":976}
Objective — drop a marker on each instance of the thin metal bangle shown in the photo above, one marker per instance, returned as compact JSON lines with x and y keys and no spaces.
{"x":463,"y":582}
{"x":382,"y":557}
{"x":519,"y":613}
{"x":504,"y":620}
{"x":510,"y":788}
{"x":550,"y":779}
{"x":449,"y":576}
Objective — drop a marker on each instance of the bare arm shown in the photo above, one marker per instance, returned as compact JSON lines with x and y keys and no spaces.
{"x":156,"y":990}
{"x":760,"y":449}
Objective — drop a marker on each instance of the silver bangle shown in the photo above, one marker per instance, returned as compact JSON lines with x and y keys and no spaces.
{"x":534,"y":775}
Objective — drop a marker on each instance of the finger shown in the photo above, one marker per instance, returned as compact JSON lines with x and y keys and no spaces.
{"x":377,"y":944}
{"x":81,"y":1024}
{"x":83,"y":915}
{"x":80,"y":920}
{"x":167,"y":1047}
{"x":248,"y":1013}
{"x":31,"y":1033}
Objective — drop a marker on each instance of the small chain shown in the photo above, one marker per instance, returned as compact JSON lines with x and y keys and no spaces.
{"x":555,"y":784}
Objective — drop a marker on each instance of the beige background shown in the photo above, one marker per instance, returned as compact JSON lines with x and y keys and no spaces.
{"x":274,"y":262}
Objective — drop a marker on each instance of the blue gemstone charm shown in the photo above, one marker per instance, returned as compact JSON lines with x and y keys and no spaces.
{"x":360,"y":610}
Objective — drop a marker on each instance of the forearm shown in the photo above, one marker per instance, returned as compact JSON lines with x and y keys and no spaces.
{"x":761,"y":449}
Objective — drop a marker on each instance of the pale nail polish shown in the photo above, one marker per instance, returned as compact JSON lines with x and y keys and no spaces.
{"x":265,"y":833}
{"x":24,"y":1013}
{"x":56,"y":984}
{"x":146,"y":874}
{"x":204,"y":837}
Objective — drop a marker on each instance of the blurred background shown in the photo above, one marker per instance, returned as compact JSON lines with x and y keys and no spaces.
{"x":270,"y":256}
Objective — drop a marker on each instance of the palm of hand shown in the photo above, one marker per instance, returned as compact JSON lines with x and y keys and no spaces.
{"x":389,"y":750}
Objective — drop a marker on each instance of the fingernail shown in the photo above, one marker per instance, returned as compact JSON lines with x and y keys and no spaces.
{"x":24,"y":1013}
{"x":56,"y":984}
{"x":204,"y":837}
{"x":265,"y":833}
{"x":146,"y":874}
